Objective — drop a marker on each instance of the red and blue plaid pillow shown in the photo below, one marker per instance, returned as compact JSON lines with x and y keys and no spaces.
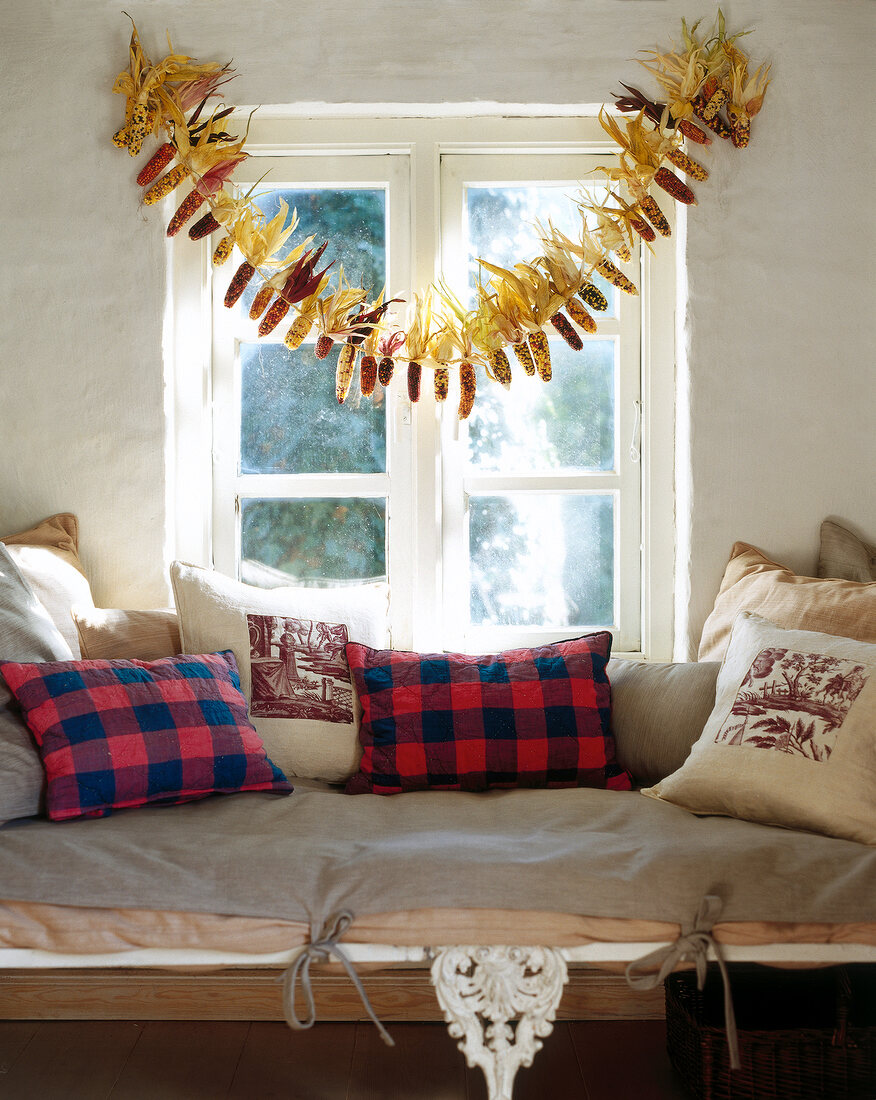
{"x":114,"y":734}
{"x":524,"y":718}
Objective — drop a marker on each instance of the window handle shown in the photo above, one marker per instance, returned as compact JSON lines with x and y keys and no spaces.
{"x":636,"y":441}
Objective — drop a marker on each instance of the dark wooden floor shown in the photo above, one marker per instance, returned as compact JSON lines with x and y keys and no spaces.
{"x":86,"y":1060}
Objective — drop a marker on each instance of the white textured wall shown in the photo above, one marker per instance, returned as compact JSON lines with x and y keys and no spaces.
{"x":776,"y":333}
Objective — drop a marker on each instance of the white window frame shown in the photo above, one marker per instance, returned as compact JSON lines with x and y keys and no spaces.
{"x":414,"y":436}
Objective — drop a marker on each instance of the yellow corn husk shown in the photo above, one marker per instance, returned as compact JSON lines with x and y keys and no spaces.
{"x":672,"y":185}
{"x":415,"y":374}
{"x":687,"y":164}
{"x":344,"y":371}
{"x":563,"y":326}
{"x":367,"y":375}
{"x":617,"y":278}
{"x":385,"y":370}
{"x":580,"y":316}
{"x":524,"y":356}
{"x":442,"y":383}
{"x":223,"y":250}
{"x":592,"y":296}
{"x":260,"y":302}
{"x":541,"y":353}
{"x":166,"y":184}
{"x":467,"y":390}
{"x":655,"y":215}
{"x":295,"y":337}
{"x":500,"y":367}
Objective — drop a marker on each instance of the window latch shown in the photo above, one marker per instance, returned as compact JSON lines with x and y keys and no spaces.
{"x":636,"y":441}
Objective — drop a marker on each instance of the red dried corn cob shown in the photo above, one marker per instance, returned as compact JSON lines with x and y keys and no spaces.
{"x":673,"y":186}
{"x":385,"y":370}
{"x":524,"y":356}
{"x":564,"y":327}
{"x":193,"y":201}
{"x":294,"y":338}
{"x":500,"y":366}
{"x":616,"y":277}
{"x":166,"y":184}
{"x":415,"y":373}
{"x":655,"y":215}
{"x":643,"y":229}
{"x":367,"y":375}
{"x":692,"y":131}
{"x":279,"y":308}
{"x":344,"y":371}
{"x":580,"y":316}
{"x":223,"y":250}
{"x":239,"y":283}
{"x":260,"y":302}
{"x":467,"y":390}
{"x":687,"y":164}
{"x":157,"y":163}
{"x":323,"y":346}
{"x":541,"y":353}
{"x":593,"y":297}
{"x":203,"y":227}
{"x":442,"y":383}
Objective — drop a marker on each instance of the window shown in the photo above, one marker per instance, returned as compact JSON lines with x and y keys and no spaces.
{"x":543,"y":515}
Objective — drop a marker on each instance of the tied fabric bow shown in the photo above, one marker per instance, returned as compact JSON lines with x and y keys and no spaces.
{"x":693,"y":944}
{"x":321,"y":951}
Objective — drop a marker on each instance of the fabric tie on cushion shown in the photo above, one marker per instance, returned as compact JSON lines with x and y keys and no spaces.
{"x":321,"y":951}
{"x":693,"y":944}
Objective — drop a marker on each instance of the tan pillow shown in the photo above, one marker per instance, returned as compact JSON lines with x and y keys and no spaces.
{"x":48,"y":557}
{"x":792,"y":738}
{"x":844,"y":555}
{"x":106,"y":634}
{"x":754,"y":583}
{"x":289,"y":644}
{"x":658,"y":712}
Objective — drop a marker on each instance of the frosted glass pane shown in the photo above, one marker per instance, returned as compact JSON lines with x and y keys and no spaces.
{"x":542,"y":560}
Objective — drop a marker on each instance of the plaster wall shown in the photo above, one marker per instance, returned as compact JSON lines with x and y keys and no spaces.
{"x":775,"y":359}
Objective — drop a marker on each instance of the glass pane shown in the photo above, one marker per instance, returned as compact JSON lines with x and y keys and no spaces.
{"x":312,"y":542}
{"x":290,"y":422}
{"x":567,"y":423}
{"x":542,"y":560}
{"x":500,"y":225}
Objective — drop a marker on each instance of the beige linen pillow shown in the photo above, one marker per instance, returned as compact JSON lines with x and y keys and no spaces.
{"x":844,"y":555}
{"x":109,"y":633}
{"x":48,"y":557}
{"x":754,"y":583}
{"x":289,"y":644}
{"x":792,"y":738}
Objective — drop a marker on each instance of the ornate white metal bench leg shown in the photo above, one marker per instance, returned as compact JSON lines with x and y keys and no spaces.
{"x":481,"y":990}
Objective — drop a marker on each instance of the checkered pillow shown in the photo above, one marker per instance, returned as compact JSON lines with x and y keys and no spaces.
{"x":524,"y":718}
{"x":113,"y":734}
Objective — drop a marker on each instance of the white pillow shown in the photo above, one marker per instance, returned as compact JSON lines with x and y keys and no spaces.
{"x":289,"y":645}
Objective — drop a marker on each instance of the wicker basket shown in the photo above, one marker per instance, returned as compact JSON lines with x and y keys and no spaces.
{"x":803,"y":1035}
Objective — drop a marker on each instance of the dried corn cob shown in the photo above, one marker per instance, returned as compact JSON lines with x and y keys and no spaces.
{"x":279,"y":308}
{"x":716,"y":124}
{"x":564,"y":327}
{"x":142,"y":121}
{"x":714,"y":104}
{"x":541,"y":352}
{"x":239,"y":283}
{"x":323,"y":346}
{"x":295,"y":337}
{"x":367,"y":375}
{"x":260,"y":302}
{"x":524,"y":356}
{"x":687,"y":164}
{"x":193,"y":201}
{"x":673,"y":186}
{"x":692,"y":131}
{"x":121,"y":137}
{"x":593,"y":297}
{"x":344,"y":371}
{"x":623,"y":253}
{"x":203,"y":227}
{"x":617,"y":278}
{"x":415,"y":373}
{"x":655,"y":215}
{"x":442,"y":383}
{"x":643,"y":229}
{"x":223,"y":250}
{"x":740,"y":127}
{"x":500,"y":367}
{"x":580,"y":316}
{"x":157,"y":163}
{"x":467,"y":390}
{"x":385,"y":370}
{"x":166,"y":184}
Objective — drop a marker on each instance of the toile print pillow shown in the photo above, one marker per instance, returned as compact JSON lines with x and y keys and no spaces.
{"x":290,"y":649}
{"x":792,"y":738}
